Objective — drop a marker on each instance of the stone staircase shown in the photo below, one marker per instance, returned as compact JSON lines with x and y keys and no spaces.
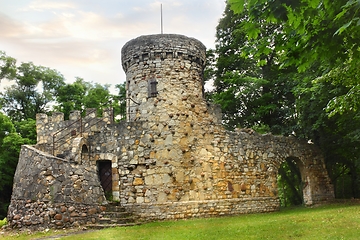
{"x":114,"y":216}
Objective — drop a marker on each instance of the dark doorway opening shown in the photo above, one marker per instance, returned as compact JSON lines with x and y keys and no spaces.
{"x":290,"y":185}
{"x":105,"y":176}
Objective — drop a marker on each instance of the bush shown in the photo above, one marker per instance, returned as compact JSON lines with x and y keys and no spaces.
{"x":3,"y":222}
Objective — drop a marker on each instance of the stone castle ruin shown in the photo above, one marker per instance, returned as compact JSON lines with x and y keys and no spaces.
{"x":170,"y":159}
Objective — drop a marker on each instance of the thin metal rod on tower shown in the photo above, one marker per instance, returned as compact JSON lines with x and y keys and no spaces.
{"x":161,"y":18}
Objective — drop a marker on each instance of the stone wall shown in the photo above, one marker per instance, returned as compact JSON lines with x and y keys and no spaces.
{"x":171,"y":159}
{"x":181,"y":152}
{"x":163,"y":173}
{"x":51,"y":192}
{"x":55,"y":135}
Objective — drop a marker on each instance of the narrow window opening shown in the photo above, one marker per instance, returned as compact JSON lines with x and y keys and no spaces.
{"x":152,"y":88}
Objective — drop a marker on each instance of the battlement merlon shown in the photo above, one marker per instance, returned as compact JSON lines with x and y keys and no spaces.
{"x":47,"y":126}
{"x":162,"y":46}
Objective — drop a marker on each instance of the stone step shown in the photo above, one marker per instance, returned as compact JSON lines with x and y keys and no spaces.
{"x":116,"y":214}
{"x":110,"y":225}
{"x":114,"y":208}
{"x":116,"y":220}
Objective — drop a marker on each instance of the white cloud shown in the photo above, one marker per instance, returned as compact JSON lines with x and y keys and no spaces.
{"x":44,"y":5}
{"x":84,"y":38}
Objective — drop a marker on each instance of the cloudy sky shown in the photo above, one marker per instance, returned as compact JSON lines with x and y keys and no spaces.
{"x":83,"y":38}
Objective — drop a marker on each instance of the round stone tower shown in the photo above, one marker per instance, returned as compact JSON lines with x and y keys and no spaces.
{"x":164,"y":76}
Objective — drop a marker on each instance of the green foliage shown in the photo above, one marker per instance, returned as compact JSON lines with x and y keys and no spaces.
{"x":250,"y":85}
{"x":312,"y":31}
{"x":289,"y":184}
{"x":33,"y":89}
{"x":81,"y":95}
{"x":3,"y":222}
{"x":7,"y":66}
{"x":70,"y":97}
{"x":27,"y":130}
{"x":292,"y":67}
{"x":338,"y":136}
{"x":10,"y":143}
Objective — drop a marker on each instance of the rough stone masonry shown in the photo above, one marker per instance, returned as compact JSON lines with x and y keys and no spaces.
{"x":170,"y":159}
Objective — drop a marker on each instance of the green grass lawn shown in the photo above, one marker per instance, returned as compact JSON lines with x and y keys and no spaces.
{"x":334,"y":221}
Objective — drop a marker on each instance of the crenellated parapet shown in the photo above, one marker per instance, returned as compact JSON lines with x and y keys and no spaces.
{"x":55,"y":135}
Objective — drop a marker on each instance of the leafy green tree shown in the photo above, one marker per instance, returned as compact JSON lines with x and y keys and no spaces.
{"x":290,"y":184}
{"x":34,"y":89}
{"x":81,"y":95}
{"x":314,"y":50}
{"x":10,"y":142}
{"x":27,"y":129}
{"x":338,"y":136}
{"x":98,"y":96}
{"x":7,"y":66}
{"x":252,"y":90}
{"x":315,"y":32}
{"x":70,"y":97}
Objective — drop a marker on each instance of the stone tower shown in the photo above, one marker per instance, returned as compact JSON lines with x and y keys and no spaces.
{"x":164,"y":75}
{"x":171,"y":159}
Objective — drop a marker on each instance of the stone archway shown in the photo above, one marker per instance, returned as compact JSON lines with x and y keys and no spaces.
{"x":80,"y":150}
{"x":315,"y":180}
{"x":290,"y":183}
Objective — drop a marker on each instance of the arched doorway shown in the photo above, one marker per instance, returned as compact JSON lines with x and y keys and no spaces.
{"x":290,"y":184}
{"x":85,"y":153}
{"x":105,"y":176}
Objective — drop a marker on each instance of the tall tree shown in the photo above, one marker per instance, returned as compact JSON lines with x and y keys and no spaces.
{"x":7,"y":66}
{"x":252,"y":90}
{"x":321,"y":39}
{"x":70,"y":97}
{"x":81,"y":95}
{"x":10,"y":142}
{"x":316,"y":32}
{"x":33,"y":89}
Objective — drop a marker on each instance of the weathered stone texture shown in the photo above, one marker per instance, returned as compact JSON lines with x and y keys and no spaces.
{"x":49,"y":191}
{"x":171,"y":159}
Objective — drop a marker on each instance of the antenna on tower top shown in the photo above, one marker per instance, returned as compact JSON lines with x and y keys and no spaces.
{"x":161,"y":14}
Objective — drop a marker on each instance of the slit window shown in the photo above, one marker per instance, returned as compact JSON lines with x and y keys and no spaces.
{"x":152,"y":87}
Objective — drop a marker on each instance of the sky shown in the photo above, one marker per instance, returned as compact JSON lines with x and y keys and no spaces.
{"x":83,"y":38}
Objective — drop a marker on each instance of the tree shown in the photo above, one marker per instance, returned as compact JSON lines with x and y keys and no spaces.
{"x":35,"y":87}
{"x":70,"y":97}
{"x":289,"y":184}
{"x":27,"y":130}
{"x":315,"y":32}
{"x":10,"y":142}
{"x":316,"y":55}
{"x":81,"y":95}
{"x":252,"y":90}
{"x":307,"y":25}
{"x":98,"y":96}
{"x":7,"y":66}
{"x":338,"y":136}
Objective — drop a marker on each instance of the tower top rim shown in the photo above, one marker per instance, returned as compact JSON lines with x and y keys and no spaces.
{"x":154,"y":45}
{"x":143,"y":39}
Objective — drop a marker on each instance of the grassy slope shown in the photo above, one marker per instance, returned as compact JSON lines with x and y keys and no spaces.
{"x":336,"y":221}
